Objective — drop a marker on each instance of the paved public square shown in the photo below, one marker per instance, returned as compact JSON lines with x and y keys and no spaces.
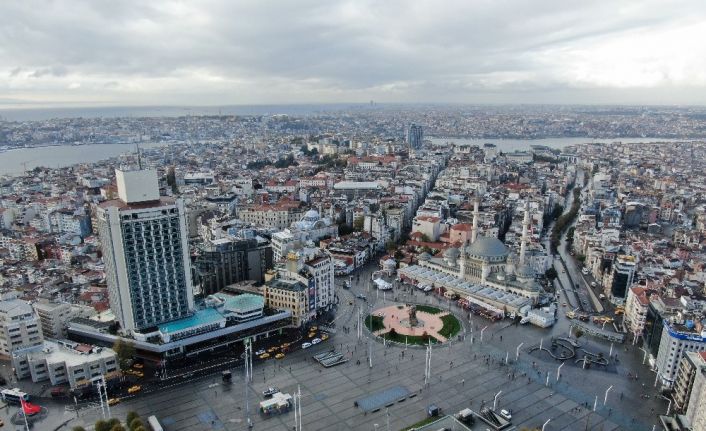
{"x":464,"y":374}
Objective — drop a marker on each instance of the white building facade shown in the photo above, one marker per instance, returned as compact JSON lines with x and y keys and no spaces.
{"x":146,"y":254}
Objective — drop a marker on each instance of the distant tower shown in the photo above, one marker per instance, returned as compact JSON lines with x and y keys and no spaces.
{"x":525,"y":233}
{"x":474,"y":231}
{"x":146,"y":253}
{"x":415,"y":136}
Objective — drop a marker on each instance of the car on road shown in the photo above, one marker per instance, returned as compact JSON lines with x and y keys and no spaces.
{"x":138,"y":366}
{"x":269,"y":392}
{"x":316,"y":341}
{"x":260,"y":352}
{"x":279,"y":356}
{"x":563,"y":304}
{"x":324,"y":337}
{"x":113,"y":401}
{"x":264,"y":356}
{"x":361,"y":296}
{"x":306,"y":345}
{"x":593,"y":284}
{"x":134,"y":389}
{"x":272,"y":349}
{"x":506,"y":414}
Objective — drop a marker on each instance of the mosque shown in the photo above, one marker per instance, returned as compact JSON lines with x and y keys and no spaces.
{"x":487,"y":261}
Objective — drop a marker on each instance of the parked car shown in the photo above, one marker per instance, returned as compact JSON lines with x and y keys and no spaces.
{"x":279,"y":356}
{"x":506,"y":414}
{"x":264,"y":356}
{"x":306,"y":345}
{"x":134,"y":389}
{"x":113,"y":401}
{"x":433,"y":410}
{"x":316,"y":341}
{"x":324,"y":337}
{"x":260,"y":352}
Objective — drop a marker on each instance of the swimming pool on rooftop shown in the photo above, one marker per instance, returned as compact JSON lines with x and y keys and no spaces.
{"x":200,"y":317}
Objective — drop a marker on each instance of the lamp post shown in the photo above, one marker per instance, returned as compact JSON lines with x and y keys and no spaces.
{"x":507,"y":354}
{"x":558,"y":371}
{"x":541,"y":343}
{"x":669,"y":406}
{"x":656,"y":378}
{"x":595,"y":402}
{"x":481,"y":333}
{"x":644,"y":356}
{"x":605,"y":399}
{"x":517,"y":351}
{"x":545,"y":424}
{"x":495,"y":400}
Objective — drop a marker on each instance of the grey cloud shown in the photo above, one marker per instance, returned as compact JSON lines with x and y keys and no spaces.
{"x":439,"y":51}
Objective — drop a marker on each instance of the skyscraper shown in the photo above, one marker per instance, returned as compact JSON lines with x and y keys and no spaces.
{"x":415,"y":136}
{"x":146,"y":253}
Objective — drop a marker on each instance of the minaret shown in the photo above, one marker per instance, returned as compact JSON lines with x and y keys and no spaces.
{"x":474,"y":232}
{"x":525,"y":231}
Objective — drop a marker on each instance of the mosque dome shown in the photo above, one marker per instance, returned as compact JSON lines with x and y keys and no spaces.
{"x":424,"y":256}
{"x":312,"y":215}
{"x":524,"y":272}
{"x":488,"y":248}
{"x":452,"y":253}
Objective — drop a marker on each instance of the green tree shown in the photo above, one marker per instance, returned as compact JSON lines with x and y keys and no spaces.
{"x":358,"y":224}
{"x":551,"y":274}
{"x":578,"y":333}
{"x":136,"y":423}
{"x":131,"y":416}
{"x":102,"y":425}
{"x":118,"y":427}
{"x":78,"y":428}
{"x":125,"y":351}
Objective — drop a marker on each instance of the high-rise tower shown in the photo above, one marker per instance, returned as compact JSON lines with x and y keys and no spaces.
{"x":415,"y":136}
{"x":146,"y":253}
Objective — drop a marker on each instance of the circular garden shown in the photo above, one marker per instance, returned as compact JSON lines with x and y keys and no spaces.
{"x":413,"y":324}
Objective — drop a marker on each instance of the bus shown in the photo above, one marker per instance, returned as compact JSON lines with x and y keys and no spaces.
{"x":13,"y":395}
{"x":154,"y":423}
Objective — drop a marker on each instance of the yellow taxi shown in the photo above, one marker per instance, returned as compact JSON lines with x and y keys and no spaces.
{"x":138,"y":366}
{"x":113,"y":401}
{"x":134,"y":389}
{"x":324,"y":337}
{"x":272,"y":349}
{"x":279,"y":356}
{"x":264,"y":356}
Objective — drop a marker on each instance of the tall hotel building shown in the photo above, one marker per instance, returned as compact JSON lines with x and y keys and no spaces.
{"x":146,"y":253}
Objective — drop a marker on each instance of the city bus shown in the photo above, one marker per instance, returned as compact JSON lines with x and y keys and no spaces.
{"x":154,"y":423}
{"x":13,"y":395}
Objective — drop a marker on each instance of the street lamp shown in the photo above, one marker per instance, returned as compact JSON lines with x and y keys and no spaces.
{"x":558,"y":370}
{"x":644,"y":357}
{"x":669,"y":406}
{"x":481,"y":333}
{"x":605,"y":399}
{"x":495,"y":400}
{"x":517,"y":351}
{"x":545,"y":424}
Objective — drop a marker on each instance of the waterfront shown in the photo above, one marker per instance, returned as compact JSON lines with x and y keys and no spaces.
{"x":13,"y":162}
{"x":557,"y":143}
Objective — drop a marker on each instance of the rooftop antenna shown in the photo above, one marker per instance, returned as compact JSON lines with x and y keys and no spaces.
{"x":139,"y":159}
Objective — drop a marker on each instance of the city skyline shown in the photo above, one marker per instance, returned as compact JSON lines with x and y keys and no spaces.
{"x":219,"y":53}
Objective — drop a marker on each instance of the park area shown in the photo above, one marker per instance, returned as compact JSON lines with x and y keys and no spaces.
{"x":413,"y":324}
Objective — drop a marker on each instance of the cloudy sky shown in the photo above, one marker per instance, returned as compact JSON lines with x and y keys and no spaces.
{"x":229,"y":52}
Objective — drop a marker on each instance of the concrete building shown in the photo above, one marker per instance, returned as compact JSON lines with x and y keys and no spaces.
{"x":636,"y":307}
{"x":65,"y":361}
{"x":621,"y":277}
{"x":691,"y":364}
{"x":311,"y":227}
{"x":20,"y":327}
{"x":230,"y":260}
{"x":677,"y":340}
{"x":289,"y":295}
{"x":54,"y":316}
{"x":146,"y":254}
{"x":272,"y":216}
{"x":695,"y":408}
{"x":314,"y":269}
